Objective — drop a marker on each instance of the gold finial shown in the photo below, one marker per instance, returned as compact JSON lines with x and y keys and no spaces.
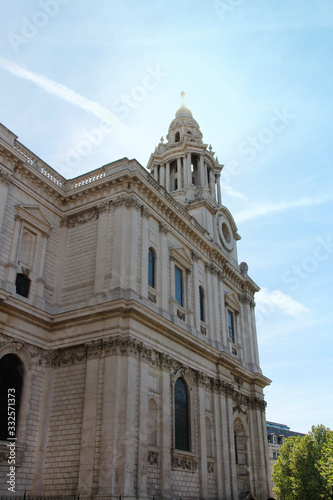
{"x":182,"y":94}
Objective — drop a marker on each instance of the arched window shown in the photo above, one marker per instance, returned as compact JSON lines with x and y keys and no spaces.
{"x":241,"y":443}
{"x":151,"y":267}
{"x":202,"y":303}
{"x":177,"y":137}
{"x":236,"y":447}
{"x":22,"y":284}
{"x":11,"y":379}
{"x":152,"y":422}
{"x":231,"y":326}
{"x":182,"y":430}
{"x":179,"y":285}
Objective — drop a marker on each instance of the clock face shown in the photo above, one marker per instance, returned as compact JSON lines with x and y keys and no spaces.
{"x":225,"y":232}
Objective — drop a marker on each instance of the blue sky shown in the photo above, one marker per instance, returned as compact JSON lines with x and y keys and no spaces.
{"x":86,"y":83}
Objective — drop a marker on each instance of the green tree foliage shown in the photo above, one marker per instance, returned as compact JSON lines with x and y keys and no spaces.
{"x":304,"y":469}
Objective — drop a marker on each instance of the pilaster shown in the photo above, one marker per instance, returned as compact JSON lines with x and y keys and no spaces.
{"x":102,"y":237}
{"x":88,"y":440}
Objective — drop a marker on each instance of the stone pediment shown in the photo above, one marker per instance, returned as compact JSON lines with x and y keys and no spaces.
{"x":33,"y":215}
{"x":231,"y":299}
{"x":181,"y":255}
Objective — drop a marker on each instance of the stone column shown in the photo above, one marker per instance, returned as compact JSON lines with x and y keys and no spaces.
{"x":220,"y":465}
{"x":219,"y":199}
{"x":155,"y":172}
{"x":43,"y":431}
{"x":179,"y":173}
{"x":167,"y":177}
{"x":228,"y":459}
{"x":39,"y":299}
{"x":119,"y":433}
{"x":163,"y":269}
{"x":88,"y":441}
{"x":197,"y":322}
{"x":112,"y":396}
{"x":188,"y":298}
{"x":206,"y":175}
{"x":202,"y":444}
{"x":144,"y":252}
{"x":162,"y":175}
{"x":232,"y":455}
{"x":102,"y":238}
{"x":189,"y":172}
{"x":166,"y":443}
{"x":60,"y":268}
{"x":202,"y":171}
{"x":125,"y":246}
{"x":5,"y":180}
{"x":143,"y":430}
{"x":212,"y":184}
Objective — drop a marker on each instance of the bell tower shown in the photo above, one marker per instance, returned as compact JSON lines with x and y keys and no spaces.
{"x":184,"y":165}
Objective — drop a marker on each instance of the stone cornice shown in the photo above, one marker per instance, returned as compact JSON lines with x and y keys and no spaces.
{"x":128,"y":346}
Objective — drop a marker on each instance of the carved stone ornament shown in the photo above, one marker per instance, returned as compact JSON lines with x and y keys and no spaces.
{"x":81,"y":219}
{"x":237,"y":408}
{"x":152,"y":297}
{"x":185,"y":462}
{"x":210,"y":467}
{"x":114,"y":346}
{"x":152,"y":457}
{"x":5,"y":452}
{"x":5,"y":178}
{"x":203,"y":330}
{"x":181,"y":314}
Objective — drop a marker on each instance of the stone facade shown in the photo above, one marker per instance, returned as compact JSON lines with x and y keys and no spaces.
{"x":102,"y":341}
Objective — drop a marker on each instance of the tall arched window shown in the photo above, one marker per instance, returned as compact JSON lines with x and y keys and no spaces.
{"x":151,"y":267}
{"x":11,"y":379}
{"x":202,"y":303}
{"x":179,"y":285}
{"x":177,"y":137}
{"x":182,"y":429}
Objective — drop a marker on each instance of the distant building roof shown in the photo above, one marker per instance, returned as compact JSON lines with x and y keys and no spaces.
{"x":281,"y":429}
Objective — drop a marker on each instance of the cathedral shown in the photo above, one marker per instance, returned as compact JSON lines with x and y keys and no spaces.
{"x":128,"y":346}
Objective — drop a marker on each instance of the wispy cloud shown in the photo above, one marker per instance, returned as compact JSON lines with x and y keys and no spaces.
{"x":267,"y":300}
{"x":69,"y":95}
{"x":229,"y":191}
{"x":264,"y":210}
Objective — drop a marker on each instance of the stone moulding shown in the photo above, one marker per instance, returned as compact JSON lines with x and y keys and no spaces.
{"x":152,"y":457}
{"x":210,"y":466}
{"x":4,"y":453}
{"x":184,"y":461}
{"x":113,"y":346}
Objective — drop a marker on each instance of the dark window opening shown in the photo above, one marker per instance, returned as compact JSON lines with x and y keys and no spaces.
{"x":231,"y":326}
{"x":236,"y":447}
{"x":182,"y":431}
{"x":177,"y":137}
{"x":22,"y":284}
{"x":151,"y":268}
{"x":202,"y":303}
{"x":11,"y":379}
{"x":179,"y":285}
